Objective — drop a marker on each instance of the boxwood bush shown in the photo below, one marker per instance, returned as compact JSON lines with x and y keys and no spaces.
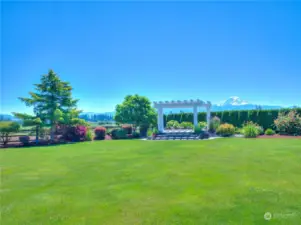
{"x":186,"y":125}
{"x":269,"y":131}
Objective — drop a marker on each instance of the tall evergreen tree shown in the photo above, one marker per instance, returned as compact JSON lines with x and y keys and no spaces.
{"x":52,"y":102}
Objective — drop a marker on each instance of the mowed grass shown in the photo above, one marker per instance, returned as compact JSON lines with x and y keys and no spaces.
{"x":224,"y":181}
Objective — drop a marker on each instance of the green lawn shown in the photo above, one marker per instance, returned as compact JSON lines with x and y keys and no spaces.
{"x":223,"y":181}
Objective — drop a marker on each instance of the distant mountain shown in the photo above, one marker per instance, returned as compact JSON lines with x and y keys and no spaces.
{"x":235,"y":103}
{"x":90,"y":116}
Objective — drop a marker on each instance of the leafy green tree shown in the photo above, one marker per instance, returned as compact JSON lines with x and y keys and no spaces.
{"x":135,"y":110}
{"x":52,"y":101}
{"x":6,"y":129}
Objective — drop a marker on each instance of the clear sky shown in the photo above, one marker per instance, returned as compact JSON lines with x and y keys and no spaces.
{"x":163,"y":50}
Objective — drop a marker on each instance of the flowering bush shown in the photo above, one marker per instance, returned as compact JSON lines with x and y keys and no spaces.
{"x":127,"y":128}
{"x":225,"y":130}
{"x":100,"y":133}
{"x":288,"y":123}
{"x":75,"y":133}
{"x":214,"y":124}
{"x":251,"y":130}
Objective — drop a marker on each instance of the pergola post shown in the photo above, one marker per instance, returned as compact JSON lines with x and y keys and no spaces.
{"x":208,"y":116}
{"x":195,"y":115}
{"x":160,"y":119}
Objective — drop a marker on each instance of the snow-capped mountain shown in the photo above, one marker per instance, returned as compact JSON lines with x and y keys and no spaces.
{"x":234,"y":101}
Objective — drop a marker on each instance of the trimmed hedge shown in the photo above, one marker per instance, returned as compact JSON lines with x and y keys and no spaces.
{"x":264,"y":118}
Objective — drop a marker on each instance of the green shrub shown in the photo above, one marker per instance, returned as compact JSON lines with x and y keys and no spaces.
{"x":149,"y":132}
{"x":289,"y":123}
{"x":136,"y":134}
{"x":197,"y":129}
{"x":260,"y":130}
{"x":214,"y":124}
{"x":143,"y":130}
{"x":121,"y":134}
{"x":173,"y":124}
{"x":202,"y":125}
{"x":250,"y":130}
{"x":155,"y":131}
{"x":238,"y":130}
{"x":170,"y":123}
{"x":269,"y":131}
{"x":225,"y":130}
{"x":113,"y":133}
{"x":186,"y":125}
{"x":89,"y":135}
{"x":6,"y":130}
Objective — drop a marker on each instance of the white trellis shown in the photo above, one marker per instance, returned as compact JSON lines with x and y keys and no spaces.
{"x":194,"y":104}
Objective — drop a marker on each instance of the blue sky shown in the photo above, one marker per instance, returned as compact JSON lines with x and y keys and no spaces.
{"x":163,"y":50}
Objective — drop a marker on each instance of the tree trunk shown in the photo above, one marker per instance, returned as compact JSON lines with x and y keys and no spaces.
{"x":37,"y":134}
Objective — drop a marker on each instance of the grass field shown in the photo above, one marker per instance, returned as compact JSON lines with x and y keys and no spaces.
{"x":223,"y":181}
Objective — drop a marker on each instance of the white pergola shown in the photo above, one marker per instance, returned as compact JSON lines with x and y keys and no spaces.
{"x":194,"y":104}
